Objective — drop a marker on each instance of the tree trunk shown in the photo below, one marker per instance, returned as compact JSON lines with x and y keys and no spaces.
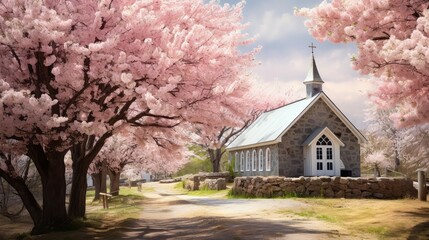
{"x":396,"y":149}
{"x":54,"y":194}
{"x":77,"y":206}
{"x":215,"y":157}
{"x":377,"y":171}
{"x":96,"y":178}
{"x":99,"y":182}
{"x":215,"y":165}
{"x":27,"y":198}
{"x":103,"y":185}
{"x":114,"y":182}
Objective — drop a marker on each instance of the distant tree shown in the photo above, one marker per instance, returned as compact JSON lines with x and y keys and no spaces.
{"x":116,"y":153}
{"x":11,"y":205}
{"x":199,"y":161}
{"x":17,"y":178}
{"x":377,"y":160}
{"x":381,"y":125}
{"x":392,"y":39}
{"x":415,"y":150}
{"x":404,"y":149}
{"x":237,"y":113}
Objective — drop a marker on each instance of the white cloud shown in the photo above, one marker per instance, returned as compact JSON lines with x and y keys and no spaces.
{"x":280,"y":76}
{"x":351,"y":98}
{"x":272,"y":26}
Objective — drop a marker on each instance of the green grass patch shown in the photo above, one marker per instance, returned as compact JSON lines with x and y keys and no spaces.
{"x":207,"y":192}
{"x":127,"y":205}
{"x":317,"y":215}
{"x":179,"y":185}
{"x":382,"y":232}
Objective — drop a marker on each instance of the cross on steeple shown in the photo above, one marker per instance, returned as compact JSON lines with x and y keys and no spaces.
{"x":313,"y":81}
{"x":312,"y":48}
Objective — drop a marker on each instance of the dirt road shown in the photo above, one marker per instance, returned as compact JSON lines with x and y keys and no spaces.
{"x":172,"y":215}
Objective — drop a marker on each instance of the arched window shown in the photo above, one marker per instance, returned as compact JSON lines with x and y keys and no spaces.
{"x":236,"y":162}
{"x":268,"y":160}
{"x":261,"y":160}
{"x":254,"y":161}
{"x":247,"y":161}
{"x":323,"y":140}
{"x":242,"y":162}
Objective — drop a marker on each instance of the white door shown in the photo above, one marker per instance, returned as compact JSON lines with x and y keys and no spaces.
{"x":324,"y":161}
{"x":324,"y":157}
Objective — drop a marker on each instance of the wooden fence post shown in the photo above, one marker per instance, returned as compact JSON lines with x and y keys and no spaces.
{"x":105,"y":197}
{"x":421,"y":178}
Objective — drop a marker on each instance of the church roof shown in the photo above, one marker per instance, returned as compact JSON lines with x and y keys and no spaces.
{"x":313,"y":74}
{"x":272,"y":125}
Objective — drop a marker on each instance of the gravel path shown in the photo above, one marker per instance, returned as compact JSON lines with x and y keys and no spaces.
{"x":169,"y":214}
{"x":172,"y":215}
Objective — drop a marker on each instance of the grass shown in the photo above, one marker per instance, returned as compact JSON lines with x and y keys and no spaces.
{"x":207,"y":192}
{"x":386,"y":219}
{"x":179,"y":185}
{"x":202,"y":192}
{"x":127,"y":205}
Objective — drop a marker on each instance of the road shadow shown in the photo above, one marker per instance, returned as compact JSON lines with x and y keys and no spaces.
{"x":421,"y":230}
{"x":197,"y":228}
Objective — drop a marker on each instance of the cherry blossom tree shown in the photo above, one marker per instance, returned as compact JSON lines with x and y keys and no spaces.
{"x":237,"y":114}
{"x":392,"y":40}
{"x":381,"y":125}
{"x":160,"y":153}
{"x":113,"y":157}
{"x":416,"y":151}
{"x":377,"y":160}
{"x":74,"y":72}
{"x":404,"y":149}
{"x":155,"y":152}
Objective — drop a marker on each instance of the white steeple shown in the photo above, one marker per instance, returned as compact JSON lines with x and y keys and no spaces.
{"x":313,"y":82}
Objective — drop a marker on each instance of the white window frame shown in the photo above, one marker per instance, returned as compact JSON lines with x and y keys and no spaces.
{"x":261,"y":160}
{"x":254,"y":161}
{"x":247,"y":161}
{"x":242,"y":162}
{"x":236,"y":162}
{"x":268,"y":159}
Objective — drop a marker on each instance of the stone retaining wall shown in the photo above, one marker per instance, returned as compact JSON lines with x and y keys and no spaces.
{"x":329,"y":187}
{"x":193,"y":182}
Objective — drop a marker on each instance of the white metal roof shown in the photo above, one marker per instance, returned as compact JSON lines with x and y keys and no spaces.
{"x":270,"y":125}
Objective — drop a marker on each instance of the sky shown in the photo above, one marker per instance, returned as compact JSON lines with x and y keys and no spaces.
{"x":285,"y":57}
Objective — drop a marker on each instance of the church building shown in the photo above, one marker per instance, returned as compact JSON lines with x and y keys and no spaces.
{"x":308,"y":137}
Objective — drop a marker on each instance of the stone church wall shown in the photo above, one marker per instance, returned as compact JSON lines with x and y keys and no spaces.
{"x":329,"y":187}
{"x":274,"y":161}
{"x":291,"y":153}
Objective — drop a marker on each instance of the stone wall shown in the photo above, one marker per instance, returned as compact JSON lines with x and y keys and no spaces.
{"x":329,"y":187}
{"x":291,"y":154}
{"x":194,"y":182}
{"x":213,"y":184}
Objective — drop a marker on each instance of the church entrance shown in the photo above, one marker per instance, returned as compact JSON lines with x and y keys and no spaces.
{"x":324,"y":157}
{"x":324,"y":161}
